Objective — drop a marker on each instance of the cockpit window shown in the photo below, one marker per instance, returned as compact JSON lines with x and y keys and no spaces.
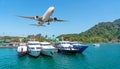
{"x":38,"y":48}
{"x":32,"y":48}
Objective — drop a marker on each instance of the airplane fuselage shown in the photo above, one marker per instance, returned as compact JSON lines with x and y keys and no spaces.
{"x":45,"y":18}
{"x":47,"y":14}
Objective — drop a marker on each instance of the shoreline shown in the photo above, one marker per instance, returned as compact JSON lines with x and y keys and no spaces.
{"x":8,"y":46}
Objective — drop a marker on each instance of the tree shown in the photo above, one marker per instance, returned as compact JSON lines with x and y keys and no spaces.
{"x":15,"y":39}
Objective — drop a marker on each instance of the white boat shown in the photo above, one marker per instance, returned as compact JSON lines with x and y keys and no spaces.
{"x":47,"y":49}
{"x":96,"y":44}
{"x":34,"y":48}
{"x":65,"y":47}
{"x":22,"y":50}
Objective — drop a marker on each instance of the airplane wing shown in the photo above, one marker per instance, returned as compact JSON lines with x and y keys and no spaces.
{"x":37,"y":25}
{"x":56,"y":20}
{"x":31,"y":17}
{"x":60,"y":20}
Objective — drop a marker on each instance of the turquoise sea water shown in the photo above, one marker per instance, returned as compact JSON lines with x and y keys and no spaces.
{"x":107,"y":56}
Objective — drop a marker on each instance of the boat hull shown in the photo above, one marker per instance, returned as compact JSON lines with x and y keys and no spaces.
{"x":68,"y":50}
{"x":34,"y":53}
{"x":48,"y":52}
{"x":80,"y":48}
{"x":22,"y":53}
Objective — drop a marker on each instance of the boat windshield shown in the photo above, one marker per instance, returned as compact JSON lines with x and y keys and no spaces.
{"x":33,"y":44}
{"x":65,"y":43}
{"x":74,"y":42}
{"x":45,"y":44}
{"x":62,"y":43}
{"x":31,"y":48}
{"x":38,"y":47}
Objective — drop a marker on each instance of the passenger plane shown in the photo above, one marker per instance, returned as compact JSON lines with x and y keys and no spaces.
{"x":45,"y":18}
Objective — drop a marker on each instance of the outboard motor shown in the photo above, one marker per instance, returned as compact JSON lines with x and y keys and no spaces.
{"x":36,"y":17}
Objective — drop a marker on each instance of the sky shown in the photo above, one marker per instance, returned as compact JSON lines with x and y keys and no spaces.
{"x":81,"y":16}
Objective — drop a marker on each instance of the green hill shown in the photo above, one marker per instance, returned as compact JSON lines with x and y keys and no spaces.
{"x":102,"y":32}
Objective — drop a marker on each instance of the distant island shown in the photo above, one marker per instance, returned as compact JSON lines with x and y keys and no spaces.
{"x":102,"y":32}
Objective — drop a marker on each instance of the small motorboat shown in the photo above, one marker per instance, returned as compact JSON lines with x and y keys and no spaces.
{"x":22,"y":50}
{"x":96,"y":44}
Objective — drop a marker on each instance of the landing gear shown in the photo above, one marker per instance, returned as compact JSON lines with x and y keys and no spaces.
{"x":48,"y":23}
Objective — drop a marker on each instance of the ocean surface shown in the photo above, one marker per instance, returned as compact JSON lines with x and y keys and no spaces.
{"x":107,"y":56}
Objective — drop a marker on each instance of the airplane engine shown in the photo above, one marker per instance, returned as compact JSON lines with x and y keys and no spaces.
{"x":55,"y":18}
{"x":36,"y":17}
{"x":40,"y":23}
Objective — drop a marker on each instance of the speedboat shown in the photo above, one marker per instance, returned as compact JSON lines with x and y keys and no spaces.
{"x":96,"y":44}
{"x":34,"y":48}
{"x":79,"y":46}
{"x":22,"y":50}
{"x":65,"y":47}
{"x":47,"y":49}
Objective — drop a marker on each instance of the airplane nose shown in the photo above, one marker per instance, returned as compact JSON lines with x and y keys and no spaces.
{"x":52,"y":8}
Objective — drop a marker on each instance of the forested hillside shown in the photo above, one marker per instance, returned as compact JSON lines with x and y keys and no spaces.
{"x":102,"y":32}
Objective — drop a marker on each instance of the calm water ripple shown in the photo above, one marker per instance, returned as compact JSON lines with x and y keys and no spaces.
{"x":107,"y":56}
